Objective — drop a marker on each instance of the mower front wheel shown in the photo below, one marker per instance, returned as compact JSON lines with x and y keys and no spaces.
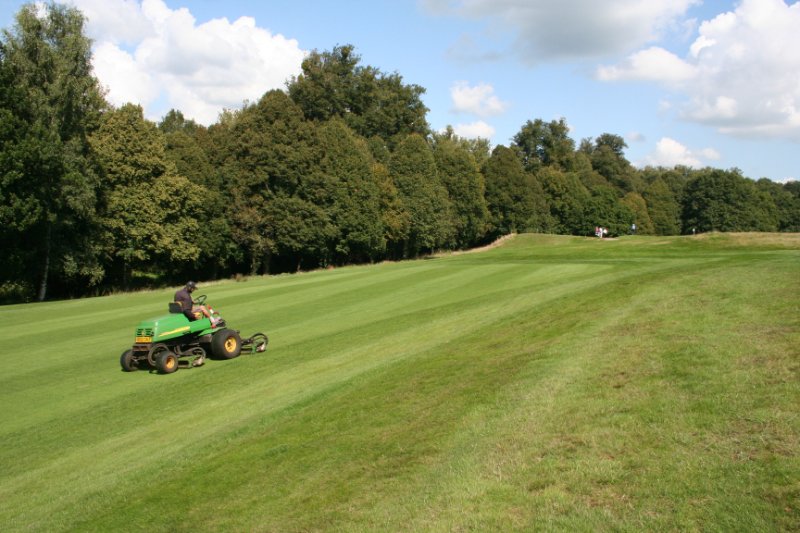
{"x":167,"y":362}
{"x":226,"y":344}
{"x":128,"y":362}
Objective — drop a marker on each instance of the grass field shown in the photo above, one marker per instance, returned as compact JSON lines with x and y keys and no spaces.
{"x":549,"y":384}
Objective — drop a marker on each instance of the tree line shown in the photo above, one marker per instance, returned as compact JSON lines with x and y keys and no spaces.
{"x":341,"y":167}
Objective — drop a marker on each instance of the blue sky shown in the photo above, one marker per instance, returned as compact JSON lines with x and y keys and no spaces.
{"x":690,"y":82}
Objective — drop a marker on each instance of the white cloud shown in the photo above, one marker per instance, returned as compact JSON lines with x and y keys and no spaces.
{"x":474,"y":130}
{"x":571,"y":29}
{"x":669,"y":152}
{"x":635,"y":137}
{"x":149,"y":54}
{"x":741,"y":74}
{"x":749,"y":64}
{"x":478,"y":100}
{"x":125,"y":79}
{"x":117,"y":22}
{"x":651,"y":64}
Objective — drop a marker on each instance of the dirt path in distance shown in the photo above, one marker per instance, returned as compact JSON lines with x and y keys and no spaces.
{"x":489,"y":246}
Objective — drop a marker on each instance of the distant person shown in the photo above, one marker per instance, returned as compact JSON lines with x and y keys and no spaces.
{"x":633,"y":229}
{"x":184,"y":298}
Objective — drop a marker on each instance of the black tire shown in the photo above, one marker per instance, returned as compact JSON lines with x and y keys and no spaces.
{"x":154,"y":353}
{"x":128,"y":362}
{"x":226,"y":344}
{"x":167,"y":363}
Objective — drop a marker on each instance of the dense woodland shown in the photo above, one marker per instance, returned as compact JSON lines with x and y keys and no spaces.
{"x":339,"y":168}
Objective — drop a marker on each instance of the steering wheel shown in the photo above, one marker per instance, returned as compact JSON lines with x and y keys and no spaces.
{"x":200,"y":300}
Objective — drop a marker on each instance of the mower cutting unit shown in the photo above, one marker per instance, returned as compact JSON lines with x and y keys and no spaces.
{"x":170,"y":341}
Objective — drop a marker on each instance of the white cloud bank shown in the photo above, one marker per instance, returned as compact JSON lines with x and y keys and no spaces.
{"x":669,"y":152}
{"x":474,"y":130}
{"x":149,"y":54}
{"x":741,"y":74}
{"x":478,"y":100}
{"x":547,"y":30}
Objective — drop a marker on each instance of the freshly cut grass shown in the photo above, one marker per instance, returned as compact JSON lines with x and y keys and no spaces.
{"x":551,"y":383}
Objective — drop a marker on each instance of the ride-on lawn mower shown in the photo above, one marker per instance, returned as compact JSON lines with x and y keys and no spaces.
{"x":170,"y":341}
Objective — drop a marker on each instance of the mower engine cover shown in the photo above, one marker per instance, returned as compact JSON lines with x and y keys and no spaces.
{"x":170,"y":327}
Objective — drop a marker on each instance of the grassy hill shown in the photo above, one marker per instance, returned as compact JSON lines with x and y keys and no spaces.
{"x":552,"y":383}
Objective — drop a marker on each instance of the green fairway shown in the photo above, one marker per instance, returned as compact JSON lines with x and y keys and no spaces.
{"x":550,"y":383}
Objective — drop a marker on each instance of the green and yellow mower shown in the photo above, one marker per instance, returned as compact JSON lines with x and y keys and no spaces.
{"x":171,"y":341}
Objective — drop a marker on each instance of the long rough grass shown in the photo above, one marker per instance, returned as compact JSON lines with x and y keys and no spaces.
{"x":549,"y":384}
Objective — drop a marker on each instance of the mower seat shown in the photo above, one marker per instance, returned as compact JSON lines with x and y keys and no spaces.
{"x":175,"y":307}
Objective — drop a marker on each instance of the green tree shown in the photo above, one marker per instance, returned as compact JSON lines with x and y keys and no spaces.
{"x":152,"y":216}
{"x":343,"y":184}
{"x":787,"y":204}
{"x":465,"y":186}
{"x":791,"y":218}
{"x":569,"y":202}
{"x":514,"y":197}
{"x":606,"y":209}
{"x":608,"y":159}
{"x":299,"y":230}
{"x":266,"y":151}
{"x":545,"y":144}
{"x":724,"y":200}
{"x":372,"y":103}
{"x":637,"y":205}
{"x":664,"y":208}
{"x":413,"y":171}
{"x":395,"y":217}
{"x":186,"y":147}
{"x":479,"y":147}
{"x":50,"y":102}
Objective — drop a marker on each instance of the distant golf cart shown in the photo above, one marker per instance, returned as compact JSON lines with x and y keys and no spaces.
{"x":170,"y":341}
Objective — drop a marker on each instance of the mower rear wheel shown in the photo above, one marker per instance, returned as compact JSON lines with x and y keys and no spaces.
{"x":167,"y":362}
{"x":226,"y":344}
{"x":127,"y":361}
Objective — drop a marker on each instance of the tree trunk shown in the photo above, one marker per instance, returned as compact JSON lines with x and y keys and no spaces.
{"x":46,"y":270}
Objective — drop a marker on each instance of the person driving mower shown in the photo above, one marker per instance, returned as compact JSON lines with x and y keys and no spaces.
{"x":184,"y":298}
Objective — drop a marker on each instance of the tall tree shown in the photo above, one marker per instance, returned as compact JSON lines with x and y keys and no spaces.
{"x":413,"y":170}
{"x":605,"y":209}
{"x":343,"y":184}
{"x":372,"y":103}
{"x":152,"y":216}
{"x":664,"y":208}
{"x":569,"y":202}
{"x":787,"y":203}
{"x":187,"y":147}
{"x":465,"y":186}
{"x":267,"y":155}
{"x":545,"y":144}
{"x":395,"y":216}
{"x":608,"y":159}
{"x":50,"y":179}
{"x":641,"y":216}
{"x":724,"y":200}
{"x":514,"y":197}
{"x":479,"y":147}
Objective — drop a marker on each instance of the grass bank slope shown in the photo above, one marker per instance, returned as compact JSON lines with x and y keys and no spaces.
{"x":551,"y":383}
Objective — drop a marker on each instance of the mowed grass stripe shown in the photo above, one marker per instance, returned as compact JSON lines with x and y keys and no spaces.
{"x":65,"y":381}
{"x":417,"y":384}
{"x":323,"y":433}
{"x":328,"y":355}
{"x":254,"y":397}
